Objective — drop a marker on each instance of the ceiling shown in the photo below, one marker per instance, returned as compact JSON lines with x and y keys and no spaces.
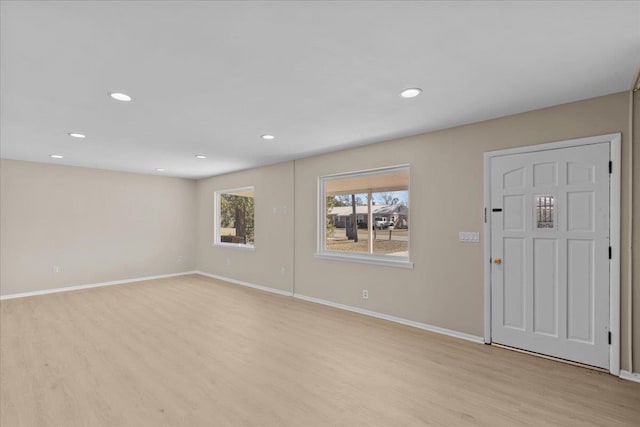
{"x":363,"y":183}
{"x":211,"y":77}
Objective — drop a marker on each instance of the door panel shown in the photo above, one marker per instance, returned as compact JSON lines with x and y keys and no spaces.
{"x":514,"y":212}
{"x":544,"y":174}
{"x":514,"y":291}
{"x":580,"y":211}
{"x":550,"y":293}
{"x":580,"y":174}
{"x":513,"y":179}
{"x":545,"y":286}
{"x":580,"y":290}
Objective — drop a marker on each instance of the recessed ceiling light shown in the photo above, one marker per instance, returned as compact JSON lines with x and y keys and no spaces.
{"x":120,"y":96}
{"x":160,"y":169}
{"x":200,"y":156}
{"x":267,"y":136}
{"x":77,"y":135}
{"x":411,"y":92}
{"x":56,"y":156}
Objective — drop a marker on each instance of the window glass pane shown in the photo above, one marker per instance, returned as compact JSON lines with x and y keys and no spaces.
{"x":391,"y":223}
{"x":236,"y":217}
{"x":544,"y":211}
{"x":357,"y":225}
{"x":343,"y":234}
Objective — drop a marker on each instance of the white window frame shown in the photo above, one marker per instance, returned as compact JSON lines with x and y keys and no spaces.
{"x":217,"y":236}
{"x":384,"y":260}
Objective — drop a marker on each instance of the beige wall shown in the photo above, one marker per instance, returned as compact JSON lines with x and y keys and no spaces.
{"x":101,"y":226}
{"x":271,"y":264}
{"x":446,"y":286}
{"x":95,"y":225}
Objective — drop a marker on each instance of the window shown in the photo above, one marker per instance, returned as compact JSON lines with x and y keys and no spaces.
{"x":545,"y":211}
{"x":235,"y":218}
{"x":364,"y":216}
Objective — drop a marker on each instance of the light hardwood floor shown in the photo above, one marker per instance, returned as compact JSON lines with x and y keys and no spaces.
{"x":193,"y":351}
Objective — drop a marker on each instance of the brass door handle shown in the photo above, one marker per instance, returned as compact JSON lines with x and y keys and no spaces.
{"x":497,"y":261}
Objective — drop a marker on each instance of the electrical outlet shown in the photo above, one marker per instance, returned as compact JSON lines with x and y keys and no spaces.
{"x":283,"y":270}
{"x":179,"y":258}
{"x":228,"y":261}
{"x":365,"y":294}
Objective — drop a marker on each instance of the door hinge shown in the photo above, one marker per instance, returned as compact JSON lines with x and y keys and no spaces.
{"x":610,"y":166}
{"x":609,"y":252}
{"x":609,"y":337}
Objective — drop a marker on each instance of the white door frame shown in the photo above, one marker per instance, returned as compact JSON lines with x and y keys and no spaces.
{"x":614,"y":140}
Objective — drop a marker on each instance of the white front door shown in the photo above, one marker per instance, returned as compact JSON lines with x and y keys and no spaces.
{"x":550,"y":252}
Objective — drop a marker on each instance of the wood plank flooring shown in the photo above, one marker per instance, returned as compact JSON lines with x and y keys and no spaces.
{"x":193,"y":351}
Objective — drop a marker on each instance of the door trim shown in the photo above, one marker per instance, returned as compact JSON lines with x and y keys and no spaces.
{"x":614,"y":141}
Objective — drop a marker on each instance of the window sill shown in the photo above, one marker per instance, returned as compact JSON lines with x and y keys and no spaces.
{"x":364,"y":259}
{"x":237,"y":246}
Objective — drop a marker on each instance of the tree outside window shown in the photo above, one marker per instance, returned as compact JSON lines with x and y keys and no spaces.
{"x":235,"y":223}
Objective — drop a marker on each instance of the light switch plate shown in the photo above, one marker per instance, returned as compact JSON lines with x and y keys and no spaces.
{"x":469,"y":236}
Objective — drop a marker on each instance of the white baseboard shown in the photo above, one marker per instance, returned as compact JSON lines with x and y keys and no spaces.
{"x":424,"y":326}
{"x":390,"y":318}
{"x":93,"y":285}
{"x":247,"y":284}
{"x":631,"y":376}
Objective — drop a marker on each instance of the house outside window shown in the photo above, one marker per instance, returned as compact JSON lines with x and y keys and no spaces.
{"x":364,"y":216}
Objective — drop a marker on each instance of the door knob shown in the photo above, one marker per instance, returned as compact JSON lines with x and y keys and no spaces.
{"x":497,"y":261}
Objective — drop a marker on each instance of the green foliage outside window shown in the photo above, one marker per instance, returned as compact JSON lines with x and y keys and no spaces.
{"x":237,"y":213}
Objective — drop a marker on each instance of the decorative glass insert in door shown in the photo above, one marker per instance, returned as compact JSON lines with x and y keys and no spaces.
{"x":545,"y":207}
